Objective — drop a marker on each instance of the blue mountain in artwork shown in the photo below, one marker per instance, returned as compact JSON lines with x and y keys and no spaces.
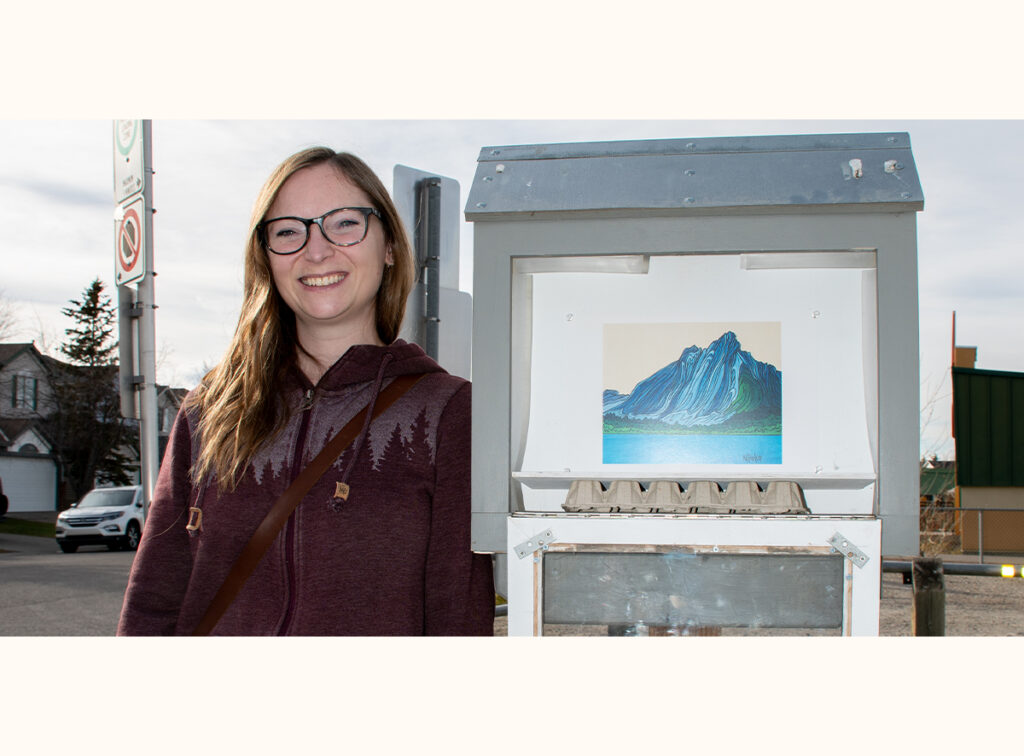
{"x":720,"y":389}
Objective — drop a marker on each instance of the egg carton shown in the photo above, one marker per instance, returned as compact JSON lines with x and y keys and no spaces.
{"x":699,"y":497}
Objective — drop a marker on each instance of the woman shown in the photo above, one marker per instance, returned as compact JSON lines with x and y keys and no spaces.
{"x":380,"y":544}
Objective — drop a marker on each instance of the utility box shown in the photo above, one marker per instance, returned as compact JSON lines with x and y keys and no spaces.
{"x":695,"y":367}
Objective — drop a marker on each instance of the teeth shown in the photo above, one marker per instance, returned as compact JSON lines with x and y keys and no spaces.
{"x":322,"y":280}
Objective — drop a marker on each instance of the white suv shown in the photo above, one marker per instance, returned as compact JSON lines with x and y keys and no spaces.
{"x":111,"y":516}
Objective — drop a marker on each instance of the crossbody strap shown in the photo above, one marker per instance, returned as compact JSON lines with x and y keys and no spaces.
{"x":253,"y":552}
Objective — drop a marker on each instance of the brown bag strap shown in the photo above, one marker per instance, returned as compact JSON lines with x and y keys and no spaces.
{"x":278,"y":515}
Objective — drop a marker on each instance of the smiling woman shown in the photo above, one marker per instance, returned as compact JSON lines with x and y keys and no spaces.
{"x":329,"y":277}
{"x":343,"y":449}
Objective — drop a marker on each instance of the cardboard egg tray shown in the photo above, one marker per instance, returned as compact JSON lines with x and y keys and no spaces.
{"x":699,"y":497}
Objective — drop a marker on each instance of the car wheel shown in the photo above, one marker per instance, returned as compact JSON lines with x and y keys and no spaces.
{"x":132,"y":535}
{"x":68,"y":548}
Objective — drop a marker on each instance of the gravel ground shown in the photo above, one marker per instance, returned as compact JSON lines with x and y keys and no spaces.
{"x":975,"y":606}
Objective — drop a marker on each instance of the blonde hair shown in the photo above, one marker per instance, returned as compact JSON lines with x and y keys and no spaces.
{"x":239,"y":400}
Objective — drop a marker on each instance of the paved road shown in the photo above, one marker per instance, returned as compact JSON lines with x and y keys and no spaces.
{"x":46,"y":592}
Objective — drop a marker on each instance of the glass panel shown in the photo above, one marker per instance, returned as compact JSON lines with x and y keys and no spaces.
{"x":684,"y":593}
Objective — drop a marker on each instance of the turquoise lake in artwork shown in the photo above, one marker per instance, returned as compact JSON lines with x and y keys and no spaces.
{"x":694,"y":449}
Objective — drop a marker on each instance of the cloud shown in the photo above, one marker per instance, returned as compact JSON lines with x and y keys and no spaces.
{"x":56,"y":193}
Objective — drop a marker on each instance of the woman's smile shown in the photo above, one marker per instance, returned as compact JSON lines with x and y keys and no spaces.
{"x":328,"y":279}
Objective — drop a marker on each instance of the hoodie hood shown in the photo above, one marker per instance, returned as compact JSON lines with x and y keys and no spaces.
{"x":363,"y":362}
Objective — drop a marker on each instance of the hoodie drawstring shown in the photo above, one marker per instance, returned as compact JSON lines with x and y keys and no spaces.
{"x":343,"y":488}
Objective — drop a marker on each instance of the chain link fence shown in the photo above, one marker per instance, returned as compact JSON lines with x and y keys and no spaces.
{"x":971,"y":530}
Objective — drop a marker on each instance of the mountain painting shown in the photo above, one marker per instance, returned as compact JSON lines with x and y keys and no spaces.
{"x":715,"y":404}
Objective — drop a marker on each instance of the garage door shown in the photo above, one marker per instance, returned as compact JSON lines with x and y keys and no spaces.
{"x":30,"y":483}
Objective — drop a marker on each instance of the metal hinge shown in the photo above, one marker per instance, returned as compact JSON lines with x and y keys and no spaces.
{"x":539,"y":541}
{"x":846,"y":547}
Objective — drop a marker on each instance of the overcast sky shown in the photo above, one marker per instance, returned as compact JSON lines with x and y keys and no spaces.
{"x":56,"y":204}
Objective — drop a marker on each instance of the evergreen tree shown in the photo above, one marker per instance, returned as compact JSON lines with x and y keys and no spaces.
{"x":419,"y":450}
{"x":88,"y":430}
{"x":95,"y":317}
{"x":394,"y":452}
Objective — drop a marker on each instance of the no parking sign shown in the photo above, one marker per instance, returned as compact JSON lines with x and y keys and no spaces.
{"x":129,"y":242}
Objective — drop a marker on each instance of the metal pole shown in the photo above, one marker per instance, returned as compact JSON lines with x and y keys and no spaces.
{"x":981,"y":536}
{"x":431,"y":203}
{"x":126,"y":316}
{"x":148,"y":417}
{"x":954,"y":568}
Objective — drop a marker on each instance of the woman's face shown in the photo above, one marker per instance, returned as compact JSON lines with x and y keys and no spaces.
{"x":332,"y":290}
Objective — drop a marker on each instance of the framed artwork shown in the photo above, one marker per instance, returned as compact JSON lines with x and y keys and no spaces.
{"x":692,"y":393}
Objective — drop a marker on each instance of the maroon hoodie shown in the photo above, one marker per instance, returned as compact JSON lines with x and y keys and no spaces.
{"x":394,"y":559}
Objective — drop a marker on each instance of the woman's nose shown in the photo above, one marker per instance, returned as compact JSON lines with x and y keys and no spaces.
{"x":317,"y":246}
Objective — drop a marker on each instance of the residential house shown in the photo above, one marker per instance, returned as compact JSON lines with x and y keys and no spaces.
{"x":168,"y":402}
{"x":29,"y":469}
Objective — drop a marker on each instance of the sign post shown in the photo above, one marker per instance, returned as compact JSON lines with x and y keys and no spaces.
{"x":133,"y":262}
{"x":438,"y":317}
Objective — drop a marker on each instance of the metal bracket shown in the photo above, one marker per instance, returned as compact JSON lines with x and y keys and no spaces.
{"x":539,"y":541}
{"x":845,"y":546}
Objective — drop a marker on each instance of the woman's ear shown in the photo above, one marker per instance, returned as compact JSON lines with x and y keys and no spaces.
{"x":389,"y":257}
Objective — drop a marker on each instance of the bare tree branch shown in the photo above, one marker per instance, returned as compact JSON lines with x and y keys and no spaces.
{"x":8,"y":318}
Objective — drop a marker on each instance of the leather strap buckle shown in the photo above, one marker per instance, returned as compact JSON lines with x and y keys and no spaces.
{"x":195,"y":518}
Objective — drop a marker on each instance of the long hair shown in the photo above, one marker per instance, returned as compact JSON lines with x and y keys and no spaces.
{"x":239,"y":400}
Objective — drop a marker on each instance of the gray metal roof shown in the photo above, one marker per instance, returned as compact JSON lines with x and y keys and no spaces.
{"x":800,"y":173}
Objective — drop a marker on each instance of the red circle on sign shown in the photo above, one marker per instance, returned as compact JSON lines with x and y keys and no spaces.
{"x":129,"y":240}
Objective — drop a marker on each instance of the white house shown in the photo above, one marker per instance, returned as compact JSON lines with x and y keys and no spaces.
{"x":29,"y":470}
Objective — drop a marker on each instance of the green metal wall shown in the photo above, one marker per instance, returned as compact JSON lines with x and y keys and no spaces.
{"x":988,"y":425}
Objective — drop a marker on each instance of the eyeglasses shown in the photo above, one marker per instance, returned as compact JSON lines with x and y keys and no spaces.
{"x":342,"y":227}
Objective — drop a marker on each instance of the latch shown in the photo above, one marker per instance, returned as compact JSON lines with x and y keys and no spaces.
{"x":539,"y":541}
{"x":846,"y":547}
